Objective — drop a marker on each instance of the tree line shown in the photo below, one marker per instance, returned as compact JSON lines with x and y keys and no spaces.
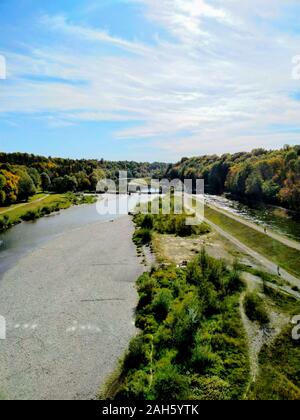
{"x":23,"y":174}
{"x":269,"y":176}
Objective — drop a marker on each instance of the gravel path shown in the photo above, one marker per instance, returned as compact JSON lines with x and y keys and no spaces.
{"x":69,"y":312}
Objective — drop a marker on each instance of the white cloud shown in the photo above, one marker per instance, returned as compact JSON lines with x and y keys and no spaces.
{"x":219,"y":81}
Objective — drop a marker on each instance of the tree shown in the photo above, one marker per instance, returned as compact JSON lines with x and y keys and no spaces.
{"x":270,"y":190}
{"x":2,"y":192}
{"x":11,"y":186}
{"x":35,"y":176}
{"x":83,"y":181}
{"x":254,"y":185}
{"x":217,"y":177}
{"x":65,"y":184}
{"x":45,"y":181}
{"x":26,"y":187}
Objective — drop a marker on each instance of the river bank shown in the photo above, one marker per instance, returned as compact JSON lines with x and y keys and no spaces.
{"x":69,"y":310}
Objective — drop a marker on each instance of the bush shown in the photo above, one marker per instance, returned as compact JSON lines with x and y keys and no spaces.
{"x":255,"y":309}
{"x":161,"y":304}
{"x":170,"y":385}
{"x":5,"y":223}
{"x":147,"y":222}
{"x":210,"y":389}
{"x":142,"y":237}
{"x":135,"y":387}
{"x":46,"y":210}
{"x":136,"y":355}
{"x":203,"y":358}
{"x":31,"y":215}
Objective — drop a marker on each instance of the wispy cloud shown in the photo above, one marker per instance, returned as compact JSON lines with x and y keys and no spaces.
{"x":217,"y":80}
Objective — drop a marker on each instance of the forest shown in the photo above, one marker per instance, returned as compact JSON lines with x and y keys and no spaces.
{"x":272,"y":177}
{"x":22,"y":174}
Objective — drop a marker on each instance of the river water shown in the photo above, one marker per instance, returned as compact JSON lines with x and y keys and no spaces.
{"x":276,"y":218}
{"x":27,"y":236}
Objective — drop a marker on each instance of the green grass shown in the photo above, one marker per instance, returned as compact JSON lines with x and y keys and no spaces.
{"x":279,"y":368}
{"x":4,"y":209}
{"x":280,"y":254}
{"x":16,"y":214}
{"x":279,"y":377}
{"x":266,"y":277}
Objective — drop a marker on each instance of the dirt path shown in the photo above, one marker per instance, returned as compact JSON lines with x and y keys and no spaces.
{"x":25,"y":204}
{"x":288,"y":242}
{"x":269,"y":265}
{"x":69,"y":308}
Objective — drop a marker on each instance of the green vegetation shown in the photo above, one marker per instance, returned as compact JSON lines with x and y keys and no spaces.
{"x":265,"y":277}
{"x":285,"y":303}
{"x":255,"y":308}
{"x":279,"y":377}
{"x":165,"y":224}
{"x":36,"y":209}
{"x":21,"y":174}
{"x":279,"y":369}
{"x":192,"y":343}
{"x":282,"y":255}
{"x":261,"y":175}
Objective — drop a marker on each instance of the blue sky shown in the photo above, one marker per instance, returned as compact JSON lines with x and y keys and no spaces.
{"x":148,"y":79}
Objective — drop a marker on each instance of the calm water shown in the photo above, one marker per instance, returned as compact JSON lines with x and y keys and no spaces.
{"x":276,"y":218}
{"x":25,"y":237}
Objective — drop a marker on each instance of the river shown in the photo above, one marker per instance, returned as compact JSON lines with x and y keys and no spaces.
{"x":27,"y":236}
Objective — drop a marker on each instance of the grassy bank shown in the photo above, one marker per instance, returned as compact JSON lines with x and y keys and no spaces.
{"x":35,"y":209}
{"x":282,"y":255}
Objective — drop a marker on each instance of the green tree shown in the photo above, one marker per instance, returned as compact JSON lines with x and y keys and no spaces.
{"x":45,"y":181}
{"x":35,"y":176}
{"x":254,"y":185}
{"x":65,"y":184}
{"x":26,"y":187}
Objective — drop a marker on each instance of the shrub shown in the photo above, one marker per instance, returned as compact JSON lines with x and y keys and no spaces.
{"x":5,"y":223}
{"x":255,"y":309}
{"x":46,"y":210}
{"x":169,"y":384}
{"x":210,"y":389}
{"x":31,"y":215}
{"x":136,"y":355}
{"x":203,"y":358}
{"x":135,"y":387}
{"x":147,"y":222}
{"x":142,"y":237}
{"x":162,"y":303}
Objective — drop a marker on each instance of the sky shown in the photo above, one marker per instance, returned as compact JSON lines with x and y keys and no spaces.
{"x":148,"y":80}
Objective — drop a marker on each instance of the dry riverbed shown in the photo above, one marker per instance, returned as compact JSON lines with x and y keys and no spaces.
{"x":69,"y":308}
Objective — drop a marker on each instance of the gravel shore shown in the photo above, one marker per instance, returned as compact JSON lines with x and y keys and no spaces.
{"x":69,"y":308}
